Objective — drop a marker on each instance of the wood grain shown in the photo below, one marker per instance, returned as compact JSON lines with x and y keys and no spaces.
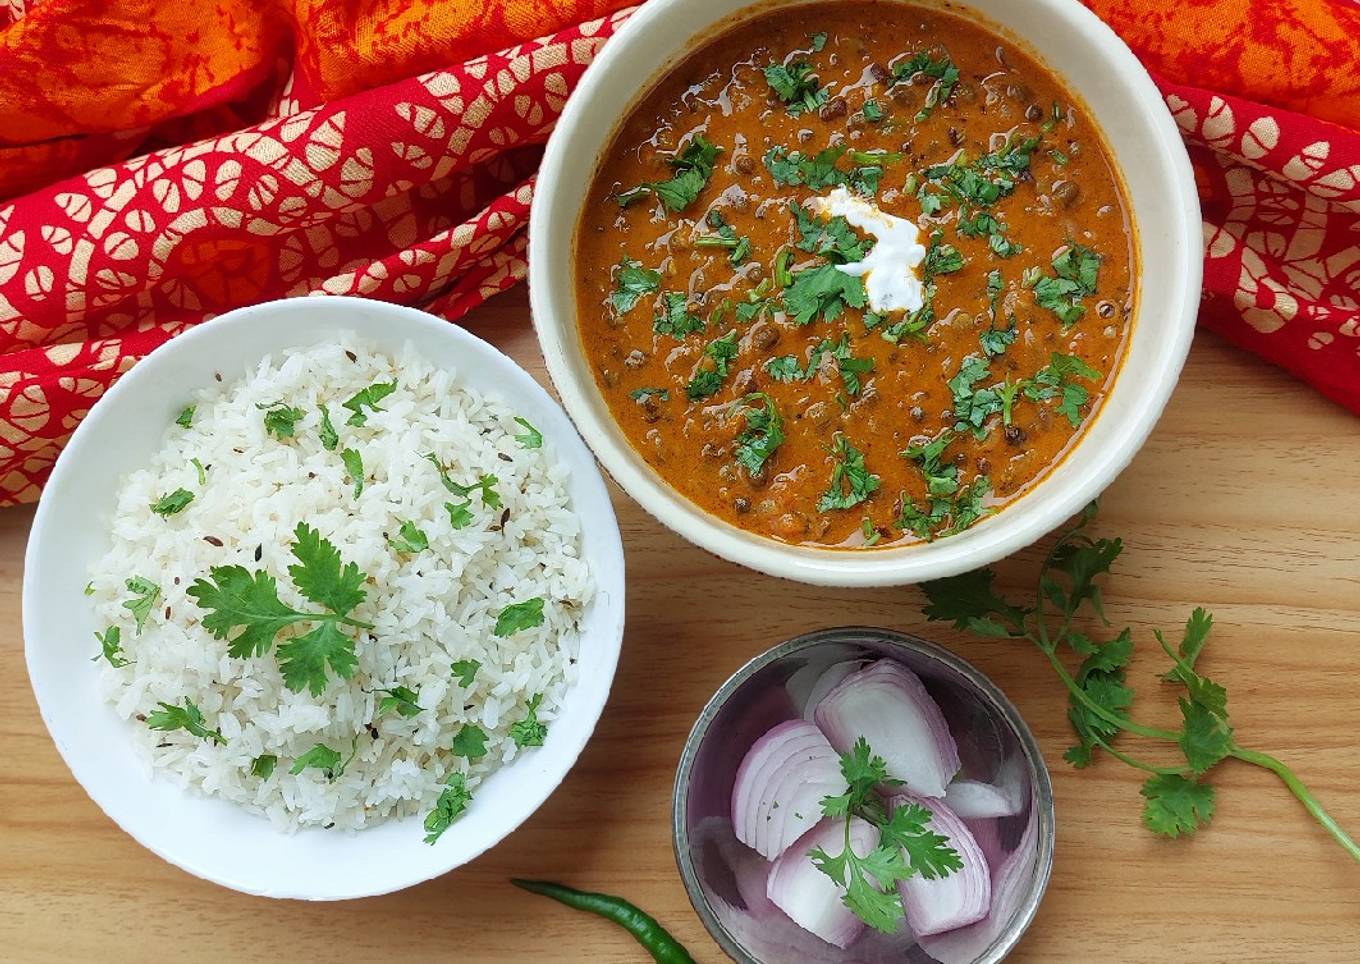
{"x":1243,"y":501}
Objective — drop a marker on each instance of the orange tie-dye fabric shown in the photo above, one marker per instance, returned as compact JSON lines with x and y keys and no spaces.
{"x":89,"y":82}
{"x":167,"y":160}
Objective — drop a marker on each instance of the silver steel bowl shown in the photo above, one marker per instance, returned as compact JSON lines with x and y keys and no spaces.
{"x":724,"y":878}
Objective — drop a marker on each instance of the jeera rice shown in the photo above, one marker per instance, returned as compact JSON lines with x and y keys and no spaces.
{"x":449,"y":514}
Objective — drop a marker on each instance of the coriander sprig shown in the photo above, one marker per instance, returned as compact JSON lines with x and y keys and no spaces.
{"x":237,"y":598}
{"x":906,"y":846}
{"x":187,"y":717}
{"x":1177,"y":798}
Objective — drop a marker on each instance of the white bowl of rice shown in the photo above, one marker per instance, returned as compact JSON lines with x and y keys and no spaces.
{"x":323,"y":599}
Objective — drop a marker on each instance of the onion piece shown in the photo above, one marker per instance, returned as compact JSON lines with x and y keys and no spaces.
{"x":964,"y":896}
{"x":887,"y":705}
{"x":974,"y":800}
{"x":1010,"y":884}
{"x":987,"y":833}
{"x":779,"y":786}
{"x":828,"y":681}
{"x":810,"y":898}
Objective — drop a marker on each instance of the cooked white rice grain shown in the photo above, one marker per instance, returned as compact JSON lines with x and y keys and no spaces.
{"x":428,"y":609}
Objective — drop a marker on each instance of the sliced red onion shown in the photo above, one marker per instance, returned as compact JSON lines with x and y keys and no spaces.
{"x":975,"y":800}
{"x":810,"y":898}
{"x":829,"y":680}
{"x":780,"y":784}
{"x":887,"y":705}
{"x":1010,"y":884}
{"x":964,"y":896}
{"x":987,"y":833}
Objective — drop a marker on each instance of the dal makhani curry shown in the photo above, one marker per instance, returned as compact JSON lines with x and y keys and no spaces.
{"x":855,"y":274}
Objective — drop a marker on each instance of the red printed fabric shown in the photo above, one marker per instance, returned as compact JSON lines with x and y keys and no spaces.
{"x":418,"y":192}
{"x":415,"y":192}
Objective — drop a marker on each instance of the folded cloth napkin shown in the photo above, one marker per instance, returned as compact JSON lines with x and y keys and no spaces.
{"x":277,"y":150}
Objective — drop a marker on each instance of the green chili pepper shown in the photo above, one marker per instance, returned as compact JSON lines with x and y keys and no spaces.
{"x":642,"y":926}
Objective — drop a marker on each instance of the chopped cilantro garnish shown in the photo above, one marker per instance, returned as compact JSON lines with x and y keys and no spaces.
{"x":453,"y":800}
{"x":916,"y":324}
{"x":995,"y":341}
{"x":145,"y":595}
{"x":763,"y":434}
{"x":531,"y":438}
{"x":519,"y":616}
{"x":528,"y":731}
{"x":785,"y":368}
{"x":168,"y":505}
{"x":851,"y":482}
{"x":820,"y":171}
{"x":330,"y":438}
{"x":973,"y":405}
{"x":233,"y":598}
{"x":794,"y":168}
{"x":460,"y":513}
{"x":707,"y":380}
{"x":637,"y":394}
{"x":1007,"y":391}
{"x":1077,"y":269}
{"x":187,"y":717}
{"x":185,"y":418}
{"x":409,"y":538}
{"x":949,"y":507}
{"x":631,"y":282}
{"x":833,"y":238}
{"x":941,"y":257}
{"x":281,"y":420}
{"x":979,"y":225}
{"x":873,"y":111}
{"x":367,"y":398}
{"x":1055,"y":381}
{"x":818,"y":41}
{"x":740,"y":247}
{"x":675,"y":318}
{"x":485,"y":485}
{"x":319,"y":757}
{"x":200,"y":471}
{"x":354,"y":467}
{"x":824,"y":291}
{"x":941,"y":68}
{"x":693,"y":166}
{"x":796,"y":85}
{"x":263,"y":766}
{"x":1059,"y":158}
{"x":470,"y":742}
{"x":849,"y":366}
{"x":402,"y":699}
{"x":1002,"y":246}
{"x":111,"y":648}
{"x":464,"y":670}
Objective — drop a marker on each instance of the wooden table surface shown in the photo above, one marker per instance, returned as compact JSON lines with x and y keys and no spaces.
{"x":1244,"y":501}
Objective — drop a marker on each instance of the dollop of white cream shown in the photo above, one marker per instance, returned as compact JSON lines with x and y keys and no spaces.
{"x":891,"y":271}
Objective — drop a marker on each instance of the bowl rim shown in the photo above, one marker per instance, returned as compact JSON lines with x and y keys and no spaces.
{"x":994,"y":538}
{"x":405,"y":321}
{"x":1007,"y":711}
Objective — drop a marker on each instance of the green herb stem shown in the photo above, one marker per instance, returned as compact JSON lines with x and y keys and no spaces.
{"x":1132,"y":761}
{"x":1114,"y":719}
{"x":1296,"y":787}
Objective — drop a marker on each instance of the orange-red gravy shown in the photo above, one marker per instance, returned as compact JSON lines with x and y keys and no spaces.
{"x":1068,"y":193}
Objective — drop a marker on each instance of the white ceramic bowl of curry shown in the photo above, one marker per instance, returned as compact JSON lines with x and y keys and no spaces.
{"x":764,"y":293}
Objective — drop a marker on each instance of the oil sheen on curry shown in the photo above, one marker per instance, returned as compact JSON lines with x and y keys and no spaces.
{"x":855,"y":274}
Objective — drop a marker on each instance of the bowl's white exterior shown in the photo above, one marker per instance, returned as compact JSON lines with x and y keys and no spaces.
{"x":1117,"y":92}
{"x":208,"y":837}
